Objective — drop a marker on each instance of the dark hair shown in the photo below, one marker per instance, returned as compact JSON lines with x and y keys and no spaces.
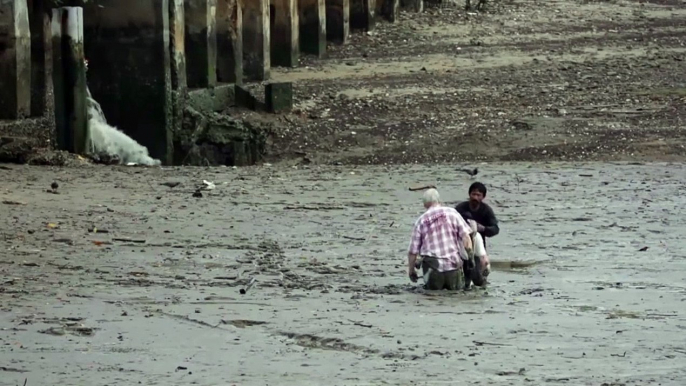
{"x":479,"y":187}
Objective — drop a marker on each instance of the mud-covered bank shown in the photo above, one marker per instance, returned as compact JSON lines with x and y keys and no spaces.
{"x":116,"y":277}
{"x":527,"y":80}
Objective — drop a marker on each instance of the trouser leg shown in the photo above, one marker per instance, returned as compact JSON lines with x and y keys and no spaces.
{"x":450,"y":280}
{"x":435,"y":280}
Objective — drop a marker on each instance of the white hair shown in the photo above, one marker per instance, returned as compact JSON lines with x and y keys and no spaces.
{"x":431,"y":196}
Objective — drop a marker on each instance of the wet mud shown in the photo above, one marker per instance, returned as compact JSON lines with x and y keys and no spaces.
{"x":133,"y":275}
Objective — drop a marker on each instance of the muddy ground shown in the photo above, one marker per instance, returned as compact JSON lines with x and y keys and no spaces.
{"x":119,"y":279}
{"x":528,"y":80}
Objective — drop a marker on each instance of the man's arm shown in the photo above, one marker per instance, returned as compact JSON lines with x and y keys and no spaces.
{"x":490,"y":226}
{"x":462,"y":208}
{"x":414,"y":249}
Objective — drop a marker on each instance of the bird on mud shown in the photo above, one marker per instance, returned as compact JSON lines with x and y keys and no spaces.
{"x":54,"y":186}
{"x":472,"y":172}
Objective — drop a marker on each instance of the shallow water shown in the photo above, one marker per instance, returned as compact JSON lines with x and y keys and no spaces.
{"x":332,"y":302}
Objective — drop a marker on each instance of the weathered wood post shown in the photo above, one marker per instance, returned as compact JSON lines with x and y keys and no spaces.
{"x":69,"y":79}
{"x":285,"y":31}
{"x":338,"y":20}
{"x":256,"y":47}
{"x":363,"y":14}
{"x":201,"y":43}
{"x":388,"y":9}
{"x":312,"y":18}
{"x":39,"y":22}
{"x":229,"y":41}
{"x":15,"y":60}
{"x":179,"y":84}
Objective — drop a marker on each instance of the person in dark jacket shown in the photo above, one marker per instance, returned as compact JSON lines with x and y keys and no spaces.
{"x":486,"y":225}
{"x":477,"y":210}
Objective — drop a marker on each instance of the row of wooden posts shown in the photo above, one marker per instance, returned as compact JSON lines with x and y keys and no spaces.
{"x":145,"y":54}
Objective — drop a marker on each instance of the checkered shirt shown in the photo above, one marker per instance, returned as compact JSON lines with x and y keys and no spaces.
{"x":438,"y":232}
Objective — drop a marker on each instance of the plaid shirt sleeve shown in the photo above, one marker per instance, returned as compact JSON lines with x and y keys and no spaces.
{"x":416,"y":239}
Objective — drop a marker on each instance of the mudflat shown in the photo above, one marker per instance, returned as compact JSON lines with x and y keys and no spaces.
{"x":525,"y":81}
{"x":122,"y":276}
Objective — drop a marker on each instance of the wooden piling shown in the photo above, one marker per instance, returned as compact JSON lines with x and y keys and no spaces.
{"x":40,"y":40}
{"x":69,"y":80}
{"x":201,"y":43}
{"x":179,"y":84}
{"x":229,"y":41}
{"x":285,"y":33}
{"x":388,"y":9}
{"x":338,"y":20}
{"x":312,"y":20}
{"x":15,"y":60}
{"x":363,"y":14}
{"x":256,"y":46}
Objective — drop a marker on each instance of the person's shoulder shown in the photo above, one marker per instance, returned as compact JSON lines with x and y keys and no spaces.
{"x":453,"y":212}
{"x":487,"y":208}
{"x":449,"y":209}
{"x":464,"y":205}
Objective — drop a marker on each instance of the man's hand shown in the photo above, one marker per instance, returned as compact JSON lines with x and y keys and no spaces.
{"x":412,"y":273}
{"x":469,"y":263}
{"x":480,"y":228}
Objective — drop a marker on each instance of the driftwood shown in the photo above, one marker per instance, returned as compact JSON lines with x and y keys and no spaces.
{"x":421,"y":187}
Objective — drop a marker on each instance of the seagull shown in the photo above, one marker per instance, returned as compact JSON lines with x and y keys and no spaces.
{"x":471,"y":172}
{"x":171,"y":184}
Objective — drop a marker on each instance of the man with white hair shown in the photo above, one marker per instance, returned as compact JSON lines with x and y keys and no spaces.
{"x":436,"y":237}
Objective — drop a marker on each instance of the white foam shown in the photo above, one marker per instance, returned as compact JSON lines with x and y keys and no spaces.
{"x":106,"y":139}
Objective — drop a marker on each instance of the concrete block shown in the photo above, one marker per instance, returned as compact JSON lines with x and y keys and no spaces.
{"x":312,"y":20}
{"x":129,"y":70}
{"x":363,"y":14}
{"x":338,"y":20}
{"x":256,"y":47}
{"x":15,"y":60}
{"x":244,"y":98}
{"x":285,"y":31}
{"x":201,"y":43}
{"x":229,"y":42}
{"x":278,"y":97}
